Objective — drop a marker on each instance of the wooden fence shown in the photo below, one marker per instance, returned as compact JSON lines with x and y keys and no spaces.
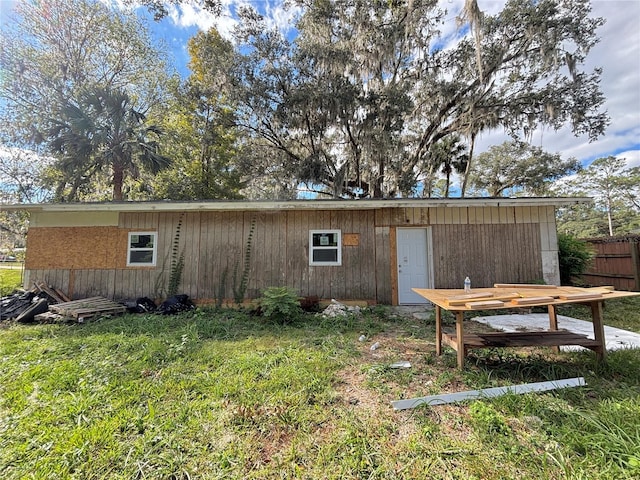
{"x":616,"y":262}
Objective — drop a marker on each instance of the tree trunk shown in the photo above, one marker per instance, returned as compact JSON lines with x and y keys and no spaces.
{"x":609,"y":216}
{"x":377,"y":189}
{"x":118,"y":180}
{"x":467,"y":170}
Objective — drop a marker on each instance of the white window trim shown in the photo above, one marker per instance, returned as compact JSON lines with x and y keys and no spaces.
{"x":154,"y":254}
{"x":338,"y":262}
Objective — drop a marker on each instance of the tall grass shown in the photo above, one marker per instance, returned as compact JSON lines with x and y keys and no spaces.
{"x":222,"y":394}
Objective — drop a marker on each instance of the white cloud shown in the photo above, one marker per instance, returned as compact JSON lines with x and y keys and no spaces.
{"x":282,"y":18}
{"x":186,"y":15}
{"x":632,"y":157}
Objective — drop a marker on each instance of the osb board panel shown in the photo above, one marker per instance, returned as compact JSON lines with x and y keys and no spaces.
{"x":488,"y":254}
{"x":351,"y":239}
{"x":76,"y":247}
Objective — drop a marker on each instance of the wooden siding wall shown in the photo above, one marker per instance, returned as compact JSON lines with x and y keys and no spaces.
{"x":487,"y":254}
{"x":214,"y":246}
{"x":488,"y":244}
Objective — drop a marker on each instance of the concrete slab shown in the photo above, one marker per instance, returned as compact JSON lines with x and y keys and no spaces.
{"x":615,"y":337}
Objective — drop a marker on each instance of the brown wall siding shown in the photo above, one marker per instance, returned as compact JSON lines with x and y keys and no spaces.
{"x":488,"y":254}
{"x":616,"y":263}
{"x":213,"y":244}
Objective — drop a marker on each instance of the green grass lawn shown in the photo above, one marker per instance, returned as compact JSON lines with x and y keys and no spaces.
{"x":220,"y":394}
{"x":10,"y":277}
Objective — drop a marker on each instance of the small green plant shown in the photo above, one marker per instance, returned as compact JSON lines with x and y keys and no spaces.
{"x":239,"y":289}
{"x":176,"y":257}
{"x":177,"y":261}
{"x":487,"y":420}
{"x":280,"y":304}
{"x":574,"y":256}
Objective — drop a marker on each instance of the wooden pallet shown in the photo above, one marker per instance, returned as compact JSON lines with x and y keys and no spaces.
{"x":87,"y":308}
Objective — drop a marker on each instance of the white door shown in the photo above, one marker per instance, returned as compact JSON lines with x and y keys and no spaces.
{"x":414,"y":267}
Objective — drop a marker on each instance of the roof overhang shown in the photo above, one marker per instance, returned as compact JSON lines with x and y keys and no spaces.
{"x":265,"y":205}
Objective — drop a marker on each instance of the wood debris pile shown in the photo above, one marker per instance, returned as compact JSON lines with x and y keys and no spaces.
{"x":23,"y":306}
{"x":46,"y":304}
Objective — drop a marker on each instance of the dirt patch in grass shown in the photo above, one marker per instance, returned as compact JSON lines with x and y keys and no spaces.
{"x":372,"y":381}
{"x":351,"y":390}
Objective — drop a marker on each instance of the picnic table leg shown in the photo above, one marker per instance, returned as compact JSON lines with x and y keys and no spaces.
{"x":553,"y":323}
{"x":438,"y":330}
{"x":460,"y":339}
{"x":598,"y":329}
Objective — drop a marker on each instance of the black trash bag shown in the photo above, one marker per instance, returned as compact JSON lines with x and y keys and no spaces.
{"x":145,"y":304}
{"x":175,"y":304}
{"x":141,"y":305}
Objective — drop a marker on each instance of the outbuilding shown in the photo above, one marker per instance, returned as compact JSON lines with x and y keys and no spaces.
{"x":368,"y":250}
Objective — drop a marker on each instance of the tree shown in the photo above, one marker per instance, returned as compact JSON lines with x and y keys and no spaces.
{"x":446,"y":156}
{"x":518,"y":168}
{"x":631,"y":187}
{"x":205,"y":141}
{"x":104,"y":130}
{"x":608,"y":182}
{"x":54,"y":51}
{"x":359,"y":99}
{"x":19,"y":181}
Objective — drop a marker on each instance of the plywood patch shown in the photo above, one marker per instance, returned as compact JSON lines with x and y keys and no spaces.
{"x":75,"y":247}
{"x":351,"y":239}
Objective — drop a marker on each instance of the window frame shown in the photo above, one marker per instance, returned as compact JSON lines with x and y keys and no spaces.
{"x":337,"y":247}
{"x":154,"y":250}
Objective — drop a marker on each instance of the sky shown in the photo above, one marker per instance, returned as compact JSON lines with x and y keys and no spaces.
{"x":617,"y":53}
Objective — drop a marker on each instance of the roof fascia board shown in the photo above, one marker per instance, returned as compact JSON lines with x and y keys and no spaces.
{"x":296,"y":205}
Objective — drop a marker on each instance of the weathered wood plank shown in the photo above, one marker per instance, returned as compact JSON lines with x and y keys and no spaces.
{"x":524,"y":339}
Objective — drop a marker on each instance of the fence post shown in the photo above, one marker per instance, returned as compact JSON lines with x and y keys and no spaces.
{"x":634,"y":247}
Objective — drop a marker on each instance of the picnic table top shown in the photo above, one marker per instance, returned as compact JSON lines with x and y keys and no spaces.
{"x":517,"y":295}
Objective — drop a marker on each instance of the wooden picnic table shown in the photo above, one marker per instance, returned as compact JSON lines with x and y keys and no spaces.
{"x":510,"y":296}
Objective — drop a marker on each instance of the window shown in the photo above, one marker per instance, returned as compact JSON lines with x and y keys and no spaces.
{"x":141,"y":251}
{"x":325,"y":247}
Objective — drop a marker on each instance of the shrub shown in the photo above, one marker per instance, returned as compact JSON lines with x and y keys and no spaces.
{"x":574,"y":256}
{"x":280,"y":304}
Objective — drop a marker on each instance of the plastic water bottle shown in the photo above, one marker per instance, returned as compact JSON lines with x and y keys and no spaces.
{"x":467,"y":285}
